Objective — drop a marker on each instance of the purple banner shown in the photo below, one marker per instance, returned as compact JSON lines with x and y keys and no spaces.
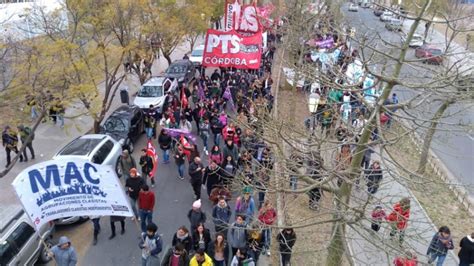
{"x":321,"y":43}
{"x":176,"y":133}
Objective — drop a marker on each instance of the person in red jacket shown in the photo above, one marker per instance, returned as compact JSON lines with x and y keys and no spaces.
{"x":146,"y":204}
{"x":398,"y":218}
{"x":267,"y":215}
{"x":408,"y":260}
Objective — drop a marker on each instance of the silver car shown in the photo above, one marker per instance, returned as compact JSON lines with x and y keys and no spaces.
{"x":19,"y":244}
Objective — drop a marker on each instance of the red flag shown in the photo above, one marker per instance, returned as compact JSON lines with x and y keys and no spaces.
{"x":152,"y":153}
{"x":184,"y":99}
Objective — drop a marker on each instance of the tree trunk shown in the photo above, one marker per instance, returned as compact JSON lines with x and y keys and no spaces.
{"x":336,"y":247}
{"x":96,"y":128}
{"x":167,"y":56}
{"x":429,"y":136}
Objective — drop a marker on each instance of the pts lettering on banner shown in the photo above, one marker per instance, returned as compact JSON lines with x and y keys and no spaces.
{"x":65,"y":175}
{"x":229,"y":43}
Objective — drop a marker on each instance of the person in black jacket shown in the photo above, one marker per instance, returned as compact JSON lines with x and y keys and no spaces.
{"x":183,"y":237}
{"x":146,"y":162}
{"x":216,"y":128}
{"x":165,"y":144}
{"x":201,"y":238}
{"x":466,"y":253}
{"x":177,"y":252}
{"x":133,"y":184}
{"x":196,"y":170}
{"x":196,"y":216}
{"x":286,"y":238}
{"x":374,"y":176}
{"x":213,"y":175}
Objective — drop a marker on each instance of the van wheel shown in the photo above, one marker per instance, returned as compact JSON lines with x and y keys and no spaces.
{"x":43,"y":257}
{"x":130,"y":146}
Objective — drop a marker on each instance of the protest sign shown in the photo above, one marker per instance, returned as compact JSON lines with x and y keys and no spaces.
{"x":70,"y":187}
{"x":242,"y":18}
{"x":231,"y":49}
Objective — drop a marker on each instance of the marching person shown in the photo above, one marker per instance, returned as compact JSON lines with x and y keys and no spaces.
{"x":146,"y":162}
{"x":151,"y":245}
{"x":201,"y":259}
{"x":133,"y":185}
{"x":114,"y":219}
{"x":398,"y":218}
{"x":146,"y":204}
{"x":126,"y":164}
{"x":287,"y":239}
{"x":165,"y":141}
{"x":221,"y":214}
{"x":196,"y":216}
{"x":466,"y":253}
{"x":196,"y":170}
{"x":24,"y":133}
{"x":176,"y":256}
{"x":183,"y":237}
{"x":64,"y":253}
{"x":96,"y":223}
{"x":219,"y":250}
{"x":439,"y":246}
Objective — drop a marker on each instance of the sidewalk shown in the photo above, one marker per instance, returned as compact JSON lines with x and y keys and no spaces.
{"x":418,"y":234}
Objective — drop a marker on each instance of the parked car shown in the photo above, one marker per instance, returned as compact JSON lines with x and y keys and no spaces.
{"x":153,"y":92}
{"x":70,"y":220}
{"x":182,"y":70}
{"x":416,"y":40}
{"x":430,"y":54}
{"x":353,"y":8}
{"x":393,"y":24}
{"x":196,"y":55}
{"x":378,"y":12}
{"x":386,"y":16}
{"x":95,"y":148}
{"x":125,"y":125}
{"x":19,"y":244}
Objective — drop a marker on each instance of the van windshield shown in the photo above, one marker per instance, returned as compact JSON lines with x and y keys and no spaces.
{"x":151,"y":91}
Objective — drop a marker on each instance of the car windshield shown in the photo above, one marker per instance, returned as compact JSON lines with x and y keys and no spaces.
{"x":176,"y":69}
{"x":116,"y":124}
{"x":151,"y":91}
{"x":80,"y":147}
{"x":197,"y":53}
{"x":417,"y":38}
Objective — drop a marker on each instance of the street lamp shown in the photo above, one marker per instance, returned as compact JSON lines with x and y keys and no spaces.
{"x":313,"y":102}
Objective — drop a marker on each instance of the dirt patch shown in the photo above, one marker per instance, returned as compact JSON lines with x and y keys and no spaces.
{"x":434,"y":195}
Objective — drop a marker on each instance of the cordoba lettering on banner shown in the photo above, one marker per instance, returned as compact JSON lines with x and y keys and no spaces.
{"x":231,"y":49}
{"x":63,"y":188}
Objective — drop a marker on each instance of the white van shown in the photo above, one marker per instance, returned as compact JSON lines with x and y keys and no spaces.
{"x":154,"y":92}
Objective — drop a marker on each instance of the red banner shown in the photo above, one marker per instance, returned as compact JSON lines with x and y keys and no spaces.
{"x":242,"y":18}
{"x":231,"y":49}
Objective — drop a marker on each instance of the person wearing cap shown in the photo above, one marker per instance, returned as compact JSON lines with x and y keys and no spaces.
{"x":133,"y":184}
{"x":196,"y":215}
{"x":63,"y":253}
{"x":151,"y":245}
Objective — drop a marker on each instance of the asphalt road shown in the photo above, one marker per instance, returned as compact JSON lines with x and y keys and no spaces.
{"x":453,"y":146}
